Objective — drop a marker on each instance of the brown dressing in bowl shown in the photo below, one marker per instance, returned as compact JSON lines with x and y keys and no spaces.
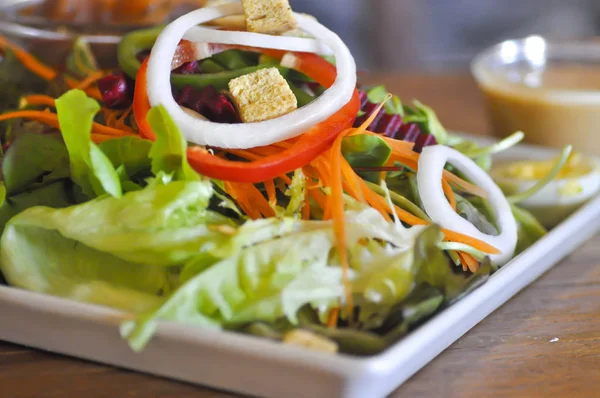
{"x":556,"y":106}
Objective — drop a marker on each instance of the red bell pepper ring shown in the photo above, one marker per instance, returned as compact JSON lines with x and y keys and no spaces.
{"x":302,"y":151}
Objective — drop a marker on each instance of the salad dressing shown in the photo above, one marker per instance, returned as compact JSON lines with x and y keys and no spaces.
{"x":556,"y":106}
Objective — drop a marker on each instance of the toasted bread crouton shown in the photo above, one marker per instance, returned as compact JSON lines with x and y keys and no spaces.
{"x":269,"y":16}
{"x":306,"y":339}
{"x":262,"y":95}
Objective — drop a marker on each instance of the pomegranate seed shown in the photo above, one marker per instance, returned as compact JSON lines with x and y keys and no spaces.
{"x":116,"y":90}
{"x":424,"y":140}
{"x":189,"y":68}
{"x":209,"y":103}
{"x":388,"y":125}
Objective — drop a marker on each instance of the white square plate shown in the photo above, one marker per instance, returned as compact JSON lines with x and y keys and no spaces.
{"x":251,"y":365}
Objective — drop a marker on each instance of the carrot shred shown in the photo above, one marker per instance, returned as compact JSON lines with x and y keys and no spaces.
{"x":306,"y":206}
{"x":271,"y":194}
{"x":51,"y":119}
{"x":39,"y":99}
{"x":470,"y":261}
{"x":45,"y":72}
{"x":28,"y":60}
{"x":88,"y":81}
{"x":449,"y":194}
{"x":332,"y":319}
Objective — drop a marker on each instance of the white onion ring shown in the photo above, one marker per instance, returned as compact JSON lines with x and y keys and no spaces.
{"x":201,"y":35}
{"x":429,"y":177}
{"x":246,"y":135}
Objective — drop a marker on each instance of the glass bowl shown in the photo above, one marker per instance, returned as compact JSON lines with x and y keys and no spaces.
{"x":27,"y":23}
{"x":550,"y":90}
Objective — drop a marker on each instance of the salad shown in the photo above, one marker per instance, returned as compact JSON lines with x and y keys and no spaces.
{"x":243,"y":179}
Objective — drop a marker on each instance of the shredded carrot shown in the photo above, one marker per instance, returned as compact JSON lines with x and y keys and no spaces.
{"x":98,"y":138}
{"x":253,"y":202}
{"x":39,"y":99}
{"x":280,"y":184}
{"x":332,"y":319}
{"x":241,"y":200}
{"x":45,"y":72}
{"x":28,"y":60}
{"x":306,"y":206}
{"x":470,"y":261}
{"x":449,"y":194}
{"x":469,"y":240}
{"x":91,"y":79}
{"x":271,"y":194}
{"x":51,"y":119}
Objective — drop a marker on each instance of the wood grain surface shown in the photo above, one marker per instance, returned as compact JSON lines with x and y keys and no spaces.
{"x":545,"y":342}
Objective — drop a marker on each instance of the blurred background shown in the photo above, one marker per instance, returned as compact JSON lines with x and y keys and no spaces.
{"x":384,"y":35}
{"x":444,"y":35}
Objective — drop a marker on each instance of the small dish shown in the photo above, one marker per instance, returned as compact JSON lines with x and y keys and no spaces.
{"x":37,"y":26}
{"x":548,"y":89}
{"x":577,"y":183}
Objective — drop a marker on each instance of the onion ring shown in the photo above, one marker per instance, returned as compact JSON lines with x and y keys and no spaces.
{"x":246,"y":135}
{"x":429,"y":177}
{"x":200,"y":36}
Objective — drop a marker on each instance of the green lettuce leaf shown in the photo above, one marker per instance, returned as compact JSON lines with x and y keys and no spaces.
{"x":55,"y":195}
{"x":90,"y":167}
{"x":365,"y":150}
{"x":432,"y":124}
{"x":530,"y":230}
{"x":130,"y":152}
{"x":123,"y":252}
{"x":34,"y":160}
{"x":169,"y":150}
{"x":40,"y":259}
{"x":434,"y":268}
{"x":274,"y":267}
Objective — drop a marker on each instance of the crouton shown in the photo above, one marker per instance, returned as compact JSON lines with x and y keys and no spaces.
{"x":269,"y":16}
{"x":262,"y":95}
{"x":306,"y":339}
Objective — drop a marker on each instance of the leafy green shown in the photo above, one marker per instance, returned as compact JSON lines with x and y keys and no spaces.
{"x":131,"y":152}
{"x":90,"y":167}
{"x":52,"y":195}
{"x":378,"y":94}
{"x":35,"y":256}
{"x":273,"y":268}
{"x":432,"y":124}
{"x":530,"y":230}
{"x":161,"y":224}
{"x":81,"y":60}
{"x":16,"y":81}
{"x":366,"y":150}
{"x":467,"y":210}
{"x":34,"y":160}
{"x":435,"y":269}
{"x":169,"y":150}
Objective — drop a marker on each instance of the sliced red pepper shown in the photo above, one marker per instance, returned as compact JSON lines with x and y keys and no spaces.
{"x":302,"y":151}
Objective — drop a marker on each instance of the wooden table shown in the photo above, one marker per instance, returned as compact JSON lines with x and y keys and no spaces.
{"x":545,"y":342}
